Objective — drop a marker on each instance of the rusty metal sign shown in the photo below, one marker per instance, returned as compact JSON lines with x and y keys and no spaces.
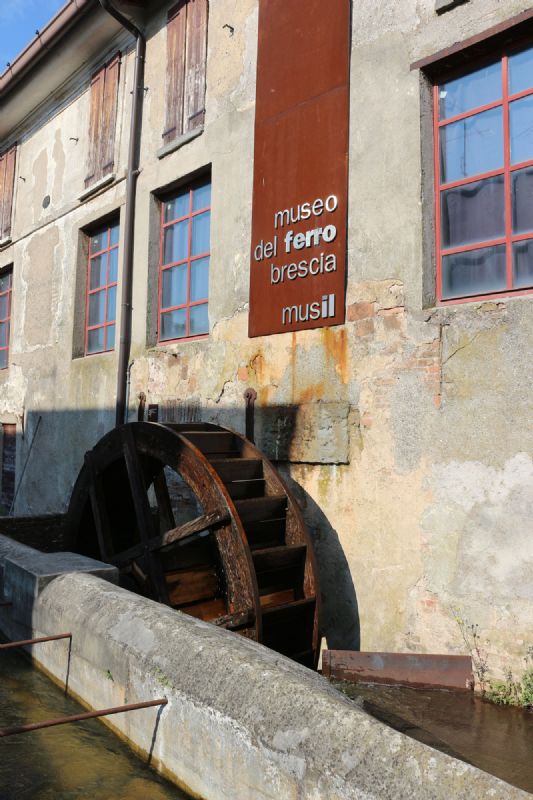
{"x":298,"y":253}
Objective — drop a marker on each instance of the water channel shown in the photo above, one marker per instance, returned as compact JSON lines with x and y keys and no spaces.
{"x":85,"y":760}
{"x":497,"y":739}
{"x":79,"y":760}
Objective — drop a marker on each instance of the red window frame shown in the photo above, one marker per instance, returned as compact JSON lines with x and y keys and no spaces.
{"x":107,"y":286}
{"x":509,"y":237}
{"x":7,"y":293}
{"x":188,"y":261}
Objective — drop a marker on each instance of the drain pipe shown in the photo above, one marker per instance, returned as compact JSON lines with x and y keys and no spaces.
{"x":129,"y":227}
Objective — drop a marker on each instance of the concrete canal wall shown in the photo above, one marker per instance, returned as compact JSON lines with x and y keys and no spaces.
{"x":242,"y":722}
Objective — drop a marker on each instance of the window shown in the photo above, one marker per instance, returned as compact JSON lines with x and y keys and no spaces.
{"x":186,"y":61}
{"x":484,"y":179}
{"x":8,"y":446}
{"x":101,"y":304}
{"x":6,"y":279}
{"x":184,"y":263}
{"x":7,"y":179}
{"x":103,"y":117}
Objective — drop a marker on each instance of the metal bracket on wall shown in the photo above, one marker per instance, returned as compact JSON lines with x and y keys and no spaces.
{"x":141,"y":406}
{"x":250,"y":396}
{"x":153,"y":412}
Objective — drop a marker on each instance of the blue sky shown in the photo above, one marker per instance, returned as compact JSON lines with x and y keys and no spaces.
{"x":19,"y":20}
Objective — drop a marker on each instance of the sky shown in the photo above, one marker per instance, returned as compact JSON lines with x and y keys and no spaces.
{"x":19,"y":19}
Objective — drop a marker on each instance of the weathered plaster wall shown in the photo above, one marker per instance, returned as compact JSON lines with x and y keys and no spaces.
{"x":406,"y":432}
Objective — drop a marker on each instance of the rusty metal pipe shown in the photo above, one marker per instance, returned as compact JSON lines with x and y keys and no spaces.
{"x":25,"y":642}
{"x":106,"y":712}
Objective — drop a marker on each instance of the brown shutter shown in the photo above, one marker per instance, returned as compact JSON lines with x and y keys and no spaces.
{"x":7,"y":192}
{"x":109,"y":116}
{"x":7,"y":476}
{"x":103,"y":119}
{"x":97,"y":98}
{"x":195,"y":64}
{"x":176,"y":32}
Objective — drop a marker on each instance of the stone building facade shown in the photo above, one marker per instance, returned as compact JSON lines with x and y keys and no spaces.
{"x":405,"y":431}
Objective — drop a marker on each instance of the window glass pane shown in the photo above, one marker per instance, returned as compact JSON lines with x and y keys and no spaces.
{"x":199,"y":279}
{"x":5,"y":282}
{"x":522,"y":200}
{"x":3,"y":334}
{"x":110,"y":337}
{"x":98,"y":267}
{"x":3,"y":306}
{"x":95,"y":340}
{"x":200,"y":234}
{"x":521,"y":71}
{"x":99,"y":241}
{"x":177,"y":207}
{"x":114,"y":234}
{"x":201,"y":197}
{"x":113,"y":266}
{"x":176,"y":242}
{"x":473,"y":213}
{"x":199,"y":322}
{"x":174,"y":286}
{"x":523,"y":264}
{"x":476,"y":272}
{"x":521,"y":129}
{"x":111,"y":304}
{"x":173,"y":324}
{"x":3,"y":359}
{"x":471,"y":91}
{"x":96,"y":307}
{"x":471,"y":146}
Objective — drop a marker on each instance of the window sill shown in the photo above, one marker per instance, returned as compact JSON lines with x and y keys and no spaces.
{"x":5,"y":242}
{"x":506,"y":294}
{"x":96,"y":187}
{"x":170,"y":344}
{"x":171,"y":147}
{"x":85,"y":356}
{"x":446,"y":5}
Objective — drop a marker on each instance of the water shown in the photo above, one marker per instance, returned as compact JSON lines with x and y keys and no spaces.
{"x":497,"y":739}
{"x":79,"y":760}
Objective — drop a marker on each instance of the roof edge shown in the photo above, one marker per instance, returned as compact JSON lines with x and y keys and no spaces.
{"x":50,"y":35}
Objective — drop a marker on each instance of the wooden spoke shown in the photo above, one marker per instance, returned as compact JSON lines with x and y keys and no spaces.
{"x":166,"y":515}
{"x":98,"y":505}
{"x":142,"y":510}
{"x":195,"y":526}
{"x":187,"y":530}
{"x":239,"y":620}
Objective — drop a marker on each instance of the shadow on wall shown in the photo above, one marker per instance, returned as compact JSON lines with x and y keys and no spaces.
{"x":50,"y":454}
{"x":340,"y":610}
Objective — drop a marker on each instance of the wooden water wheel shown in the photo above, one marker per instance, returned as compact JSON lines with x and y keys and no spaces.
{"x":196,"y":517}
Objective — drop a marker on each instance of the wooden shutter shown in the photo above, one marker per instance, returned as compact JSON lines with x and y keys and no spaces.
{"x":109,"y":116}
{"x":7,"y":183}
{"x":195,"y":64}
{"x":102,"y":122}
{"x":175,"y":84}
{"x":97,"y":101}
{"x":7,"y":476}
